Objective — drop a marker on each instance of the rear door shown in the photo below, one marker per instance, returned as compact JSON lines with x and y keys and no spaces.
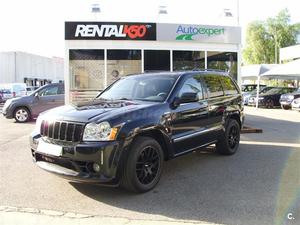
{"x":189,"y":120}
{"x":216,"y":100}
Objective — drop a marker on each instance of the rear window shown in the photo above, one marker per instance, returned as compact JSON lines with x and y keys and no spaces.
{"x":228,"y":86}
{"x":214,"y":86}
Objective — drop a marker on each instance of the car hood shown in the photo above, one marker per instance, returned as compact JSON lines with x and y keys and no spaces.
{"x":23,"y":99}
{"x":93,"y":111}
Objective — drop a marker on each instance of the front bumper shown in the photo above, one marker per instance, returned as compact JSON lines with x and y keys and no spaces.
{"x":7,"y":112}
{"x":296,"y":106}
{"x":252,"y":102}
{"x":285,"y":102}
{"x":76,"y":160}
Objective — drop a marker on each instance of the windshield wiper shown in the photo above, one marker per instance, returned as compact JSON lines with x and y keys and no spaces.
{"x":123,"y":99}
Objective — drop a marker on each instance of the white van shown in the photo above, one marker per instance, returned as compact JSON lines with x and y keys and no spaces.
{"x":14,"y":89}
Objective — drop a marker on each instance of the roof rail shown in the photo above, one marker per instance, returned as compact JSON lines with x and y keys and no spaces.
{"x":215,"y":70}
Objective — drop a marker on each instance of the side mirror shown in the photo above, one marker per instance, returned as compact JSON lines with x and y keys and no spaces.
{"x":36,"y":95}
{"x":176,"y":102}
{"x":188,"y":97}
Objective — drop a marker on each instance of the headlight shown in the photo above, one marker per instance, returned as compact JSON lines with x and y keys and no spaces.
{"x":99,"y":132}
{"x":291,"y":97}
{"x":7,"y":103}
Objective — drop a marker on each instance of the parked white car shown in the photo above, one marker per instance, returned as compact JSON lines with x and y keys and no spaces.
{"x":296,"y":104}
{"x":14,"y":89}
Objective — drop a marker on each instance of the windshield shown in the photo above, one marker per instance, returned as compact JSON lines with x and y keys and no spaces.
{"x":37,"y":90}
{"x":146,"y":88}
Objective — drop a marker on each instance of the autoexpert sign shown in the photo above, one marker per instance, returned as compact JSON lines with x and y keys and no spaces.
{"x":187,"y":33}
{"x":109,"y":31}
{"x":200,"y":33}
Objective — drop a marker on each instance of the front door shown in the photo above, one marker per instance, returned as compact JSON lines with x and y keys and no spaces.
{"x":189,"y":120}
{"x":45,"y":99}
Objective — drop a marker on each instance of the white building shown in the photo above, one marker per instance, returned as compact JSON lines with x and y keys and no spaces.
{"x":97,"y":53}
{"x":34,"y":70}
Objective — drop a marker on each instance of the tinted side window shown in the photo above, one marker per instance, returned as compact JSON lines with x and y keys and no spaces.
{"x":228,"y":86}
{"x":192,"y":85}
{"x":214,"y":86}
{"x":61,"y":90}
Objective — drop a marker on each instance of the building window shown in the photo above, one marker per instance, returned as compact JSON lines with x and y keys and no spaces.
{"x":87,"y":69}
{"x":225,"y":61}
{"x":122,"y":62}
{"x":188,"y":60}
{"x":156,"y":60}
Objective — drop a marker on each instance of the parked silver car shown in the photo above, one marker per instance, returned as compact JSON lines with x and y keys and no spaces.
{"x":29,"y":107}
{"x":296,"y":104}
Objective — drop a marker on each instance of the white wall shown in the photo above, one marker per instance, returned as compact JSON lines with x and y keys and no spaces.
{"x":7,"y":67}
{"x":15,"y":66}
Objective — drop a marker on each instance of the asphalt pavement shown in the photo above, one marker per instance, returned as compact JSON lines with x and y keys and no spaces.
{"x":260,"y":184}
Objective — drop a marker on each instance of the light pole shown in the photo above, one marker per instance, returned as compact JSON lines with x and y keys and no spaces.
{"x":238,"y":12}
{"x":162,"y":9}
{"x":95,"y":9}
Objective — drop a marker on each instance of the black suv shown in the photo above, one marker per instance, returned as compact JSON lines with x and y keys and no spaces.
{"x":125,"y":134}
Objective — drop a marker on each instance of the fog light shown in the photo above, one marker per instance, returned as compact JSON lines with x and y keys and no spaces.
{"x":96,"y":167}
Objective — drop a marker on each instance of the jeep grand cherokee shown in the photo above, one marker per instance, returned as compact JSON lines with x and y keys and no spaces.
{"x":125,"y":134}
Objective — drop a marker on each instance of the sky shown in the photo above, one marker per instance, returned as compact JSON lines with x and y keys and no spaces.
{"x":37,"y":26}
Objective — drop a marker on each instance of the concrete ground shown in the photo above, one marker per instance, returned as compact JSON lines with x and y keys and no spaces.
{"x":258,"y":185}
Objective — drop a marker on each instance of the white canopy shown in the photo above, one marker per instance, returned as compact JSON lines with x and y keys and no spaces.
{"x":289,"y":70}
{"x":253,"y":71}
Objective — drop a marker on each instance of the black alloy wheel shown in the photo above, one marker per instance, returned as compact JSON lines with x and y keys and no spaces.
{"x":143,"y":165}
{"x":147,"y":165}
{"x":229,"y":141}
{"x":233,"y":137}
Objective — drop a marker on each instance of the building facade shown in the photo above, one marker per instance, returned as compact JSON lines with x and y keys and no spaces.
{"x":34,"y":70}
{"x":98,"y":53}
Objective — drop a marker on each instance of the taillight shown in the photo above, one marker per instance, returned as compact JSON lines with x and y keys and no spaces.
{"x":14,"y":94}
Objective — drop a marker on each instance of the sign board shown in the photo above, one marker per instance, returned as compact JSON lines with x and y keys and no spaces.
{"x":198,"y":33}
{"x":110,"y":31}
{"x":152,"y":32}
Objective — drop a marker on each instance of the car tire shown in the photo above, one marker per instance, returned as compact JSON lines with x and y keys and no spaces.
{"x":22,"y":115}
{"x":143,"y":165}
{"x":229,"y":141}
{"x":270,"y":104}
{"x":286,"y":107}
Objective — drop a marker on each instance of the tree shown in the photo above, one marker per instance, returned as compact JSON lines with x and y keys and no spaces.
{"x":264,"y":38}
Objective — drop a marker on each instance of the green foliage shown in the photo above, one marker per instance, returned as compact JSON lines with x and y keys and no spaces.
{"x":265,"y":38}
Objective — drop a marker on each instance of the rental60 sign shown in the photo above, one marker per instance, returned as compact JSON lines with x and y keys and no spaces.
{"x":110,"y":31}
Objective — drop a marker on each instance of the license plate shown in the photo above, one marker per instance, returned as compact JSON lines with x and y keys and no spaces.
{"x":49,"y":149}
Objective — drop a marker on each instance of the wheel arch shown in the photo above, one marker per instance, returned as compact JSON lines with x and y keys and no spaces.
{"x":159,"y":137}
{"x":21,"y":106}
{"x":235,"y":116}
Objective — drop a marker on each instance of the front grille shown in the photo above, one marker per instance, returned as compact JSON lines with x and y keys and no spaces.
{"x":64,"y":131}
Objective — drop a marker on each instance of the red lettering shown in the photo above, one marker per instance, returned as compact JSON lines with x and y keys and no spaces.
{"x":135,"y":31}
